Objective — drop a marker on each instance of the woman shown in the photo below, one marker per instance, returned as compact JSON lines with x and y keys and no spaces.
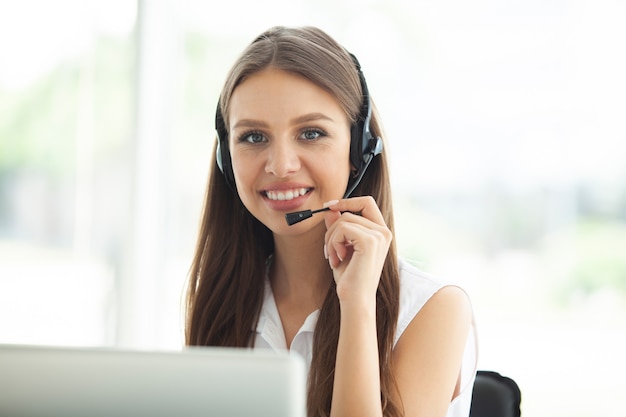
{"x":296,"y":132}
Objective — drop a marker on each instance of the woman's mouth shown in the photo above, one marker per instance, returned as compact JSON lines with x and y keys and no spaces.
{"x":286,"y":195}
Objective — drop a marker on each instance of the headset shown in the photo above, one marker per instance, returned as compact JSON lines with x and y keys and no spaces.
{"x":363,"y":145}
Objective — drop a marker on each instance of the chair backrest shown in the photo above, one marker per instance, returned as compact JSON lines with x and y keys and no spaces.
{"x":495,"y":396}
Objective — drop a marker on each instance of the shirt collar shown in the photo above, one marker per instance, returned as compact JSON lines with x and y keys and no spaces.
{"x":269,"y":326}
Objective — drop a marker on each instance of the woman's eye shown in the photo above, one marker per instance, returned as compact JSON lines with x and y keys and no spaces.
{"x":312,"y":134}
{"x":253,"y":137}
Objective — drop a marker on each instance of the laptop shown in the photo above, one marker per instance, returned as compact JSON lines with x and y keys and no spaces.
{"x":40,"y":381}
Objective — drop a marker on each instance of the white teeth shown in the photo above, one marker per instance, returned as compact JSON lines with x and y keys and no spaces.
{"x":286,"y":195}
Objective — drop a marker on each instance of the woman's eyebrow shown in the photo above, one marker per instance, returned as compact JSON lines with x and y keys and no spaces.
{"x":310,"y":117}
{"x":250,"y":123}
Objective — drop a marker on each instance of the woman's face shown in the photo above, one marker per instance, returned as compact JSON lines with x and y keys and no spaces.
{"x":289,"y":142}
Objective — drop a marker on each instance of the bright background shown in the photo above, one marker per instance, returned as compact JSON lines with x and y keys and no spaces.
{"x":507,"y":136}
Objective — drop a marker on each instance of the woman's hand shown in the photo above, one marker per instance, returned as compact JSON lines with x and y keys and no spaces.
{"x":356,"y":246}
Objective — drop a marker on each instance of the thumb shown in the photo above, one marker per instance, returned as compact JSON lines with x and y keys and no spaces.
{"x":331,"y":217}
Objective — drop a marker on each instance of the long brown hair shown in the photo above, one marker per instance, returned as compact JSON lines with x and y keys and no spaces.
{"x":227,"y":277}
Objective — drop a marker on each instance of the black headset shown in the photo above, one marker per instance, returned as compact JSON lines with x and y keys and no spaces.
{"x":363,"y":145}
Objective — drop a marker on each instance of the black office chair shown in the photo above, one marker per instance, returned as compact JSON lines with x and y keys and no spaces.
{"x":495,"y":396}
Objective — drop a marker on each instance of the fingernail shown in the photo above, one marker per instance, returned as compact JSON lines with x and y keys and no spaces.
{"x":325,"y":252}
{"x":330,"y":203}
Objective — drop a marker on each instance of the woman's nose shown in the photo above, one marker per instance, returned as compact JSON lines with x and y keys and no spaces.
{"x":282,"y":159}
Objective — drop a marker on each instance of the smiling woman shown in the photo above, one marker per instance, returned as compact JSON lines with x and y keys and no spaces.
{"x":296,"y":131}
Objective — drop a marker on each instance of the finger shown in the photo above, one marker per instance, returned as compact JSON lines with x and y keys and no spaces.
{"x":330,"y":217}
{"x":365,"y":225}
{"x":339,"y":241}
{"x":335,"y":249}
{"x":343,"y":250}
{"x":340,"y":253}
{"x":366,"y":206}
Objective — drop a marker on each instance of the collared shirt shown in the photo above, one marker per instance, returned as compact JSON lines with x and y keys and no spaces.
{"x":416,"y":288}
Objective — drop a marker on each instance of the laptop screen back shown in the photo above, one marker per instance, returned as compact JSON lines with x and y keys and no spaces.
{"x":72,"y":382}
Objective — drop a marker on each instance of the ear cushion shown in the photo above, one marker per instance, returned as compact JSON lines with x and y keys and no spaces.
{"x":365,"y":149}
{"x":222,"y":154}
{"x":356,"y":145}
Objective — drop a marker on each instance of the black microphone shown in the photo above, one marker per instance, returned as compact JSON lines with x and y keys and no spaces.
{"x":298,"y":216}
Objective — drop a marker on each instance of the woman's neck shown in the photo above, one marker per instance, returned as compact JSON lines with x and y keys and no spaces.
{"x":299,"y":271}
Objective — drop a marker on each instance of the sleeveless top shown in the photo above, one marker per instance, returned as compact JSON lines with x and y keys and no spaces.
{"x":416,"y":288}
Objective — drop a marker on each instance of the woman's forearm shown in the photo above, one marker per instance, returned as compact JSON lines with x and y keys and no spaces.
{"x":356,"y":389}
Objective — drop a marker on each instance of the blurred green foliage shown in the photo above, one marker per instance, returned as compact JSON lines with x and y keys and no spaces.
{"x":586,"y":258}
{"x":39,"y":124}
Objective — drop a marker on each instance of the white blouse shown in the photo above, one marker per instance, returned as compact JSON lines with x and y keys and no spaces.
{"x":416,"y":288}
